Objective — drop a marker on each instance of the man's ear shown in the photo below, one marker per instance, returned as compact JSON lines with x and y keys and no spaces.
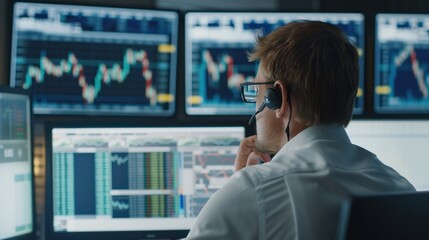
{"x":284,"y":107}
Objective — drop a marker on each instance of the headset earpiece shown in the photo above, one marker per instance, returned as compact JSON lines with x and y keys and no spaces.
{"x":272,"y":98}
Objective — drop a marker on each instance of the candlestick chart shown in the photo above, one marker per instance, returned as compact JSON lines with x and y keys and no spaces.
{"x":88,"y":61}
{"x":402,"y":72}
{"x":404,"y":78}
{"x":218,"y":73}
{"x":217,"y":63}
{"x":222,"y":71}
{"x":95,"y":77}
{"x":71,"y":66}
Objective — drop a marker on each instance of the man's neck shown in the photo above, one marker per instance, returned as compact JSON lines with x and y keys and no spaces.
{"x":296,"y":127}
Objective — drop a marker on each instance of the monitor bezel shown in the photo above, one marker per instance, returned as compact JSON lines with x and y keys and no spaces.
{"x":170,"y":112}
{"x":196,"y":112}
{"x":49,"y":215}
{"x":388,"y":111}
{"x":31,"y":235}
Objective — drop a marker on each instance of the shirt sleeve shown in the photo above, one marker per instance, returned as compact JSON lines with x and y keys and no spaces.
{"x":231,"y":213}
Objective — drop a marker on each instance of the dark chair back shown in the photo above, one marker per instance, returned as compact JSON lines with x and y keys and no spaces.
{"x":387,"y":216}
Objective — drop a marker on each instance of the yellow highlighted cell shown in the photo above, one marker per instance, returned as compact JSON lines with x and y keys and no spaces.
{"x":163,"y":98}
{"x":382,"y":90}
{"x":166,"y":48}
{"x":195,"y":100}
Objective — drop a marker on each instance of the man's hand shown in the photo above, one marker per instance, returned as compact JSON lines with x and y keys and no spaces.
{"x":247,"y":154}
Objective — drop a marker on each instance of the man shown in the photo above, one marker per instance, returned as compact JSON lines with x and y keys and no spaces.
{"x":304,"y":92}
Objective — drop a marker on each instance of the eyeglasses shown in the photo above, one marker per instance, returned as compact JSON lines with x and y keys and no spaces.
{"x":250,"y":90}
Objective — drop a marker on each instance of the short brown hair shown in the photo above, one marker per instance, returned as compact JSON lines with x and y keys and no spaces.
{"x":318,"y":64}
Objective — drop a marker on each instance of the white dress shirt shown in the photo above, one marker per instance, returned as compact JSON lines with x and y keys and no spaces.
{"x":298,"y":194}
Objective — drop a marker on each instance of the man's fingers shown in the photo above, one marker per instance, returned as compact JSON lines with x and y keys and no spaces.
{"x":247,"y":146}
{"x":253,"y":159}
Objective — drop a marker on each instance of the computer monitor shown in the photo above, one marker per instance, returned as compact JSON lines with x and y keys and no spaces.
{"x":16,"y":166}
{"x":134,"y":182}
{"x":216,"y":61}
{"x":400,"y":144}
{"x":401,"y":81}
{"x":88,"y":60}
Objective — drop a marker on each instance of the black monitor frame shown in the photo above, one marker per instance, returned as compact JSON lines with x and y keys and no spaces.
{"x":33,"y":233}
{"x":388,"y":110}
{"x":137,"y":235}
{"x":195,"y":112}
{"x":68,"y":113}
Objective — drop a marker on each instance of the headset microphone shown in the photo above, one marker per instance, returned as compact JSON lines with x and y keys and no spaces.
{"x":272,"y":100}
{"x":259,"y":110}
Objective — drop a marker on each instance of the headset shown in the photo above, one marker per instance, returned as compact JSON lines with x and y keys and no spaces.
{"x":273,"y":101}
{"x":273,"y":98}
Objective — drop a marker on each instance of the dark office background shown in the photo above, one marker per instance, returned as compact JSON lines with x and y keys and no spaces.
{"x":368,"y":7}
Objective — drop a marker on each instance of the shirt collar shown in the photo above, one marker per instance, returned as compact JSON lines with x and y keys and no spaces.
{"x":315,"y":133}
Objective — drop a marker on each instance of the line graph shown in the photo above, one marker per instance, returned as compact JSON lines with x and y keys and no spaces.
{"x":120,"y":173}
{"x":115,"y":158}
{"x":120,"y":206}
{"x":221,"y":141}
{"x":144,"y":170}
{"x":117,"y":205}
{"x":153,"y":142}
{"x":90,"y":143}
{"x":145,"y":206}
{"x":105,"y":75}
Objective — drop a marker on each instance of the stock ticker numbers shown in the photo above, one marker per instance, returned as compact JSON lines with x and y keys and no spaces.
{"x":14,"y":127}
{"x":13,"y":119}
{"x":133,"y":174}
